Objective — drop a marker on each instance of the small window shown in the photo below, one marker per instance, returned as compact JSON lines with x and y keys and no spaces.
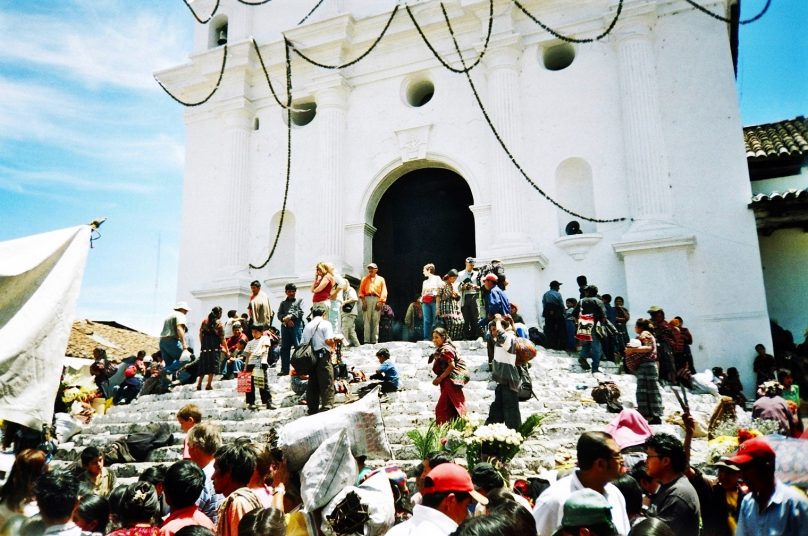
{"x":256,"y":124}
{"x":418,"y":92}
{"x":557,"y":57}
{"x":303,"y":112}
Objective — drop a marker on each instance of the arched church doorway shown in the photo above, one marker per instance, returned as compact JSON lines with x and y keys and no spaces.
{"x":423,"y":217}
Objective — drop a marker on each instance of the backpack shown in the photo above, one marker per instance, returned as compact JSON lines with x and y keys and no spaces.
{"x":303,"y":359}
{"x":526,"y":389}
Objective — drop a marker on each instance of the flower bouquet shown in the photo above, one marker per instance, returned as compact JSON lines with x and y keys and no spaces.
{"x":492,"y":442}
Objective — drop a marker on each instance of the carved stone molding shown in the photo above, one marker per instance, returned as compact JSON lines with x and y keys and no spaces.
{"x":413,"y":142}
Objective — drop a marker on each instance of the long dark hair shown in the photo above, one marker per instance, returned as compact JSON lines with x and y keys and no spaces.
{"x":213,"y":317}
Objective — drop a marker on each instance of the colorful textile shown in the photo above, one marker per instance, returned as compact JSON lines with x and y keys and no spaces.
{"x":451,"y":403}
{"x":649,"y":399}
{"x":449,"y":311}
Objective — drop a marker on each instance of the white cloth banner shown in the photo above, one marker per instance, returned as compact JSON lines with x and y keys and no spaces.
{"x":40,"y":279}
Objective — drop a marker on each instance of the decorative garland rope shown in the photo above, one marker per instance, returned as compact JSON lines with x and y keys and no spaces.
{"x":724,"y":19}
{"x":269,"y":81}
{"x":287,"y":46}
{"x":435,"y":52}
{"x":257,"y":3}
{"x":361,"y":56}
{"x":200,"y":21}
{"x":572,"y":39}
{"x":502,"y":143}
{"x":311,"y":12}
{"x":206,"y":99}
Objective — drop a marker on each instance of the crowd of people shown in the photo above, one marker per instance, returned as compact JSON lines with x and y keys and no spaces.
{"x":241,"y":487}
{"x":627,"y":481}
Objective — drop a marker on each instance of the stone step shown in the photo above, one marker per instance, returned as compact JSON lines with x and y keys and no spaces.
{"x":563,"y":388}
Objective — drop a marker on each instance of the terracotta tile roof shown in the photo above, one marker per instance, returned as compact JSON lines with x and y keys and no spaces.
{"x":774,"y":140}
{"x":792,"y":194}
{"x":118,"y":340}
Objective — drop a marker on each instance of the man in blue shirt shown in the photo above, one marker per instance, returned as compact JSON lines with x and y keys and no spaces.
{"x":772,"y":508}
{"x":496,"y":303}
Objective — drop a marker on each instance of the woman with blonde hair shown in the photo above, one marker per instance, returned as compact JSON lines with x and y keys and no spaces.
{"x":429,"y":293}
{"x":323,"y":283}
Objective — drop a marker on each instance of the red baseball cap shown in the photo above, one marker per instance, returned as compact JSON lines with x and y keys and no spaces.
{"x":491,"y":277}
{"x":448,"y":478}
{"x":756,"y":449}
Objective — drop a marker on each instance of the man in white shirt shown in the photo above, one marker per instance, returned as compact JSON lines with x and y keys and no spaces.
{"x":447,"y":494}
{"x":321,"y":380}
{"x":599,"y":462}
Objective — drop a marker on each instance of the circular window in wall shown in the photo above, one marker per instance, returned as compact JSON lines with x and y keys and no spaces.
{"x":303,"y":113}
{"x":558,"y":56}
{"x":418,"y":92}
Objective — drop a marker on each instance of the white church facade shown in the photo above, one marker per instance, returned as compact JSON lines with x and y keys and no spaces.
{"x":393,"y":160}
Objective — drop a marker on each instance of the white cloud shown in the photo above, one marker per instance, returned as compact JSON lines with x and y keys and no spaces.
{"x":98,"y":43}
{"x":27,"y":181}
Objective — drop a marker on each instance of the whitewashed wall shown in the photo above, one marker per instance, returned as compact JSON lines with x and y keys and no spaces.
{"x":701,"y":260}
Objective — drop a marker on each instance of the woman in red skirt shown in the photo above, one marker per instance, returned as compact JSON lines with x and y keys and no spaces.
{"x":451,"y":376}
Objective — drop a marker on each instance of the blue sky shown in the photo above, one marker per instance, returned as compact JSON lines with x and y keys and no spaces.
{"x":85,"y":132}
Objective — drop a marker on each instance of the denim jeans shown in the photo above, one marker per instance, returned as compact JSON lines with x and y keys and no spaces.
{"x":290,"y":337}
{"x":428,"y":310}
{"x":591,"y":349}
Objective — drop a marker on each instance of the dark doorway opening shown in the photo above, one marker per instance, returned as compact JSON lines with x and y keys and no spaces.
{"x":423,"y":217}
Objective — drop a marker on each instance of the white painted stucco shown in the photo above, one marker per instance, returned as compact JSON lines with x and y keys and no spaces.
{"x":647,"y":116}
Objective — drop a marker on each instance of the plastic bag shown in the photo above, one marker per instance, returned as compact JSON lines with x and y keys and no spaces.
{"x":376,"y":494}
{"x":329,"y":470}
{"x":362,"y":420}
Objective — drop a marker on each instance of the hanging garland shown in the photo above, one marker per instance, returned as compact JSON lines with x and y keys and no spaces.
{"x":361,"y":56}
{"x":256,"y":3}
{"x":435,"y":52}
{"x":287,"y":46}
{"x":311,"y":12}
{"x":206,"y":99}
{"x":269,"y":81}
{"x":724,"y":19}
{"x":502,"y":143}
{"x":606,"y":32}
{"x":200,"y":21}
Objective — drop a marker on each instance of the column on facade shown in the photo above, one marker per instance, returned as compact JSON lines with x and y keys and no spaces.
{"x":502,"y":103}
{"x":647,"y":166}
{"x":331,"y":112}
{"x":238,"y":124}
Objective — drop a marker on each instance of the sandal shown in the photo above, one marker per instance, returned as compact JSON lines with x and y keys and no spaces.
{"x":209,"y":388}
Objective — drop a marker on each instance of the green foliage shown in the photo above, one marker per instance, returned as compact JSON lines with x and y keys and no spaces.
{"x":426,"y":440}
{"x":531,"y":424}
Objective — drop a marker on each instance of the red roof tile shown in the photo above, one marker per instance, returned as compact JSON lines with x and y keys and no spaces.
{"x":773,"y":140}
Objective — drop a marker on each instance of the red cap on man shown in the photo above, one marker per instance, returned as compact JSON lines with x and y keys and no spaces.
{"x":753,"y":450}
{"x":449,"y":478}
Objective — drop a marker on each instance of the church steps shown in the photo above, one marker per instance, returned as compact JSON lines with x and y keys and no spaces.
{"x":562,"y":387}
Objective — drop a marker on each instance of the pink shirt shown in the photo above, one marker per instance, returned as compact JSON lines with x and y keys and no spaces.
{"x":184,"y":517}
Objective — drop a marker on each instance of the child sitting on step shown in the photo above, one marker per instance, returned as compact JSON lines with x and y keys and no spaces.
{"x":387,"y":372}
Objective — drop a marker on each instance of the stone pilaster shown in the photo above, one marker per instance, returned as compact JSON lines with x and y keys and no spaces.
{"x":237,"y":202}
{"x":502,"y":102}
{"x":330,"y":123}
{"x":647,"y":169}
